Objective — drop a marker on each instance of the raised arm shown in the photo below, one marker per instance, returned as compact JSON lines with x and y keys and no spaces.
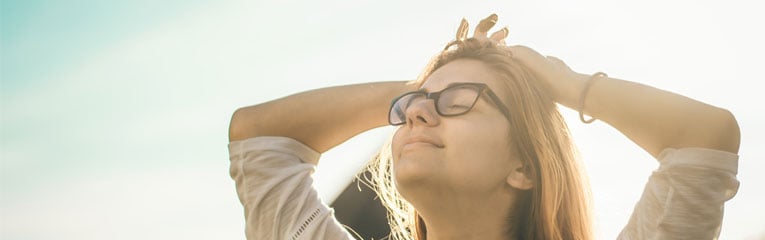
{"x":321,"y":118}
{"x":652,"y":118}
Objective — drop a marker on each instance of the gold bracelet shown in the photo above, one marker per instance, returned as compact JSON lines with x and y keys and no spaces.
{"x":584,"y":94}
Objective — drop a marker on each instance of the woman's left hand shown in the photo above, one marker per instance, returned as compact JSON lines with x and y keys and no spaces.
{"x":675,"y":121}
{"x":564,"y":84}
{"x":481,"y":30}
{"x":559,"y":80}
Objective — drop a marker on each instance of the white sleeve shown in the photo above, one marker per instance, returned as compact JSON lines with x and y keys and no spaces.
{"x":684,"y":198}
{"x":274,"y":184}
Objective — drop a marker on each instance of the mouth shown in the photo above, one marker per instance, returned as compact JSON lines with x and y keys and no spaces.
{"x":422,"y":141}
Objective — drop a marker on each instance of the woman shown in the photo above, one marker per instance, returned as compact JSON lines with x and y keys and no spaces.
{"x":481,"y":151}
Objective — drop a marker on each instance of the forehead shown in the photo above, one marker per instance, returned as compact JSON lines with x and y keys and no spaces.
{"x":461,"y":70}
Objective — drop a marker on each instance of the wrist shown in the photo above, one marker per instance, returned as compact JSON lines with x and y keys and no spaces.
{"x":570,"y":94}
{"x":583,"y":96}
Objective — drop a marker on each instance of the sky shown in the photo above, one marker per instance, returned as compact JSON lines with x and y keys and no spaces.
{"x":114,"y":114}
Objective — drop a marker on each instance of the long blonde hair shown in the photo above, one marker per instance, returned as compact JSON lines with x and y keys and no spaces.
{"x":558,"y":206}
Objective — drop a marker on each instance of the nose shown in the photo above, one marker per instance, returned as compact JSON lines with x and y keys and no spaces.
{"x":422,"y":111}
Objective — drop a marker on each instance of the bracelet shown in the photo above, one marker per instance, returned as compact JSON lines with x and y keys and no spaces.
{"x":584,"y":94}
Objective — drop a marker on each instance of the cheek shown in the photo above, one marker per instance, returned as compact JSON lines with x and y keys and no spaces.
{"x":396,"y":144}
{"x":479,"y":154}
{"x":469,"y":140}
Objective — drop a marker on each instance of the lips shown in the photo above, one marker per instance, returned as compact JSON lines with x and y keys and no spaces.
{"x":423,"y":140}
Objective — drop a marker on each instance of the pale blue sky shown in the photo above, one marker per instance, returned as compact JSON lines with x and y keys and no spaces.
{"x":114,"y":113}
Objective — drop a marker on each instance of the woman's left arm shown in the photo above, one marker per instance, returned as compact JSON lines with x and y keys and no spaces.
{"x":652,"y":118}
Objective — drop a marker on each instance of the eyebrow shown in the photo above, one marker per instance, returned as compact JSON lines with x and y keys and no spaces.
{"x":447,"y":86}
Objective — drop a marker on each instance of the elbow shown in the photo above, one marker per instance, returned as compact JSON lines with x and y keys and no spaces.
{"x":711,"y":128}
{"x":234,"y":128}
{"x":242,"y":126}
{"x":718,"y":130}
{"x":729,"y":133}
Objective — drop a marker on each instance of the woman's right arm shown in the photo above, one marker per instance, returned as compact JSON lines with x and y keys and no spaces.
{"x":321,"y":118}
{"x":273,"y":181}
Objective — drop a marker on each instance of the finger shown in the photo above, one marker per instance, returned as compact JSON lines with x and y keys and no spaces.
{"x":559,"y":63}
{"x":527,"y":56}
{"x":500,"y":35}
{"x":462,"y":30}
{"x":520,"y":50}
{"x":483,"y":27}
{"x":553,"y":59}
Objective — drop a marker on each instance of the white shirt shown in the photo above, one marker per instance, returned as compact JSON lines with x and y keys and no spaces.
{"x":683,"y":199}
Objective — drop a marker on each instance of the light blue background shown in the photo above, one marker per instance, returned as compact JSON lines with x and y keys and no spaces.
{"x":114,"y":113}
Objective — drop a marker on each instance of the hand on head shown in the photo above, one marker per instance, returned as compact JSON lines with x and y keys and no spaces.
{"x":559,"y":80}
{"x":482,"y":29}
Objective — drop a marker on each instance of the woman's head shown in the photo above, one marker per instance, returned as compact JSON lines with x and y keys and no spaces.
{"x":460,"y":158}
{"x":512,"y":146}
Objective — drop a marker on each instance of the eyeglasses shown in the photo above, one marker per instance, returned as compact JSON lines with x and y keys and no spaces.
{"x":456,"y":99}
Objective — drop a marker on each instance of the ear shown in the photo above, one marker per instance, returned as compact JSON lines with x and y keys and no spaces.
{"x":518,"y":178}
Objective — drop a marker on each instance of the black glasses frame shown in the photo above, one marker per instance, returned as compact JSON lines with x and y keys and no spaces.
{"x":436,"y":95}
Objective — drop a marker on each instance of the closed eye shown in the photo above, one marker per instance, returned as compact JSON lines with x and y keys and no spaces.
{"x":458,"y":106}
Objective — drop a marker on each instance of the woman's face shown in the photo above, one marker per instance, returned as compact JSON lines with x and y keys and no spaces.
{"x":463,"y":155}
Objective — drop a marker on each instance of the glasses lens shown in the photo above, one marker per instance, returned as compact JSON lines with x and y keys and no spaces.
{"x":397,"y":114}
{"x":458,"y":100}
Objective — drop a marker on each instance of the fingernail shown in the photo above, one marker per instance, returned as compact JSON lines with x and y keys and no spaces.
{"x":485,"y":24}
{"x":462,"y":30}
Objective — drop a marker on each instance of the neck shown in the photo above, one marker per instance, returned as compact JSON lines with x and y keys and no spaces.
{"x":464,"y":233}
{"x":482,"y":218}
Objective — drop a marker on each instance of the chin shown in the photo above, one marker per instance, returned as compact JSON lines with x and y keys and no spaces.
{"x":413,"y":173}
